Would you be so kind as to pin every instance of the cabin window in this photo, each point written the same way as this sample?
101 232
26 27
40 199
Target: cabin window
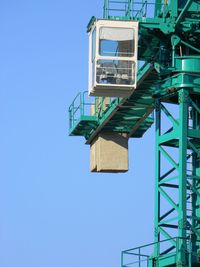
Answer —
115 72
116 42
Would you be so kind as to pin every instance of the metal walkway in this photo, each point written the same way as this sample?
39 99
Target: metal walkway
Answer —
131 115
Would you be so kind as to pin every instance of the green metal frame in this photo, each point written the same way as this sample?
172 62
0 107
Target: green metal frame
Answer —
182 178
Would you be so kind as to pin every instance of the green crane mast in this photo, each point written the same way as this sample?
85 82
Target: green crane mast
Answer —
168 82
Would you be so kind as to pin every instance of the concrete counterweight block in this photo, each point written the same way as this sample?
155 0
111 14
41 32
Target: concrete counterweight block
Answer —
109 153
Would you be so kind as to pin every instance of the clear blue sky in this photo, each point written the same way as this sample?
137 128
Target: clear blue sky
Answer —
53 211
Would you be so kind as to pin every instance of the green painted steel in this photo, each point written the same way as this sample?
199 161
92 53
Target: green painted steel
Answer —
178 187
169 83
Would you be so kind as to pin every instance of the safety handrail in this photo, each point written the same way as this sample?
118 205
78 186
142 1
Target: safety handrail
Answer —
78 108
131 9
140 255
82 107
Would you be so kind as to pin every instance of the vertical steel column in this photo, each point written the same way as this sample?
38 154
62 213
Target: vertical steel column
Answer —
106 9
158 5
195 234
182 206
157 179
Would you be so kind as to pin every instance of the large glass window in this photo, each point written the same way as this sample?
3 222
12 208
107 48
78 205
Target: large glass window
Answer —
115 72
117 42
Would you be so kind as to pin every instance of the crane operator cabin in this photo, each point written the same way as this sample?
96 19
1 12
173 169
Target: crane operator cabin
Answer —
112 58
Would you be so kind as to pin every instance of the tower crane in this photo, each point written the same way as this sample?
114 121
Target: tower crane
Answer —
144 58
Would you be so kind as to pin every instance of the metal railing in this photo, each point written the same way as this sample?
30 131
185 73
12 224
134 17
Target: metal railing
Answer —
131 9
80 106
144 256
83 105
